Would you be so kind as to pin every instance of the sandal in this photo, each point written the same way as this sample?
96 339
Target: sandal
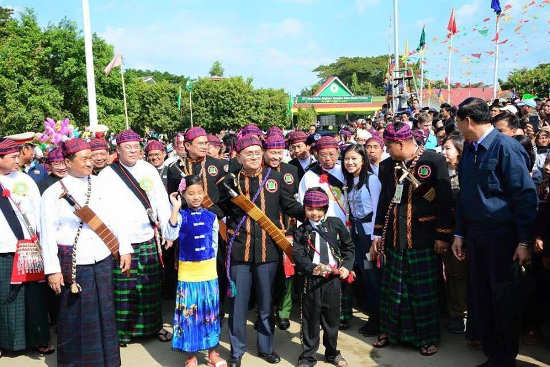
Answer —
338 361
428 350
191 362
164 335
382 341
44 350
214 360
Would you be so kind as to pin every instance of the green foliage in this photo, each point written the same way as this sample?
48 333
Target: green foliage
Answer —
369 71
306 117
534 81
43 74
216 69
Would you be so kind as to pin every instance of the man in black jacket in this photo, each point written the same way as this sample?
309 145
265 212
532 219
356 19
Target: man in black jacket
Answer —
413 225
300 150
253 257
323 249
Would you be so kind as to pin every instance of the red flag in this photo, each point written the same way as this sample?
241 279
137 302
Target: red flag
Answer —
451 27
496 38
486 19
476 55
503 42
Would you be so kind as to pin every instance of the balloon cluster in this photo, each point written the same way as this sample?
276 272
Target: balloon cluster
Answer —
58 132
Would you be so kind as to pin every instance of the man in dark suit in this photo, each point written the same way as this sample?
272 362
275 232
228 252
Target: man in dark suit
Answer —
495 217
298 147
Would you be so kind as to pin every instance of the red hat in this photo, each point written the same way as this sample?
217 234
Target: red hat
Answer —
194 133
73 146
154 145
8 146
214 140
274 130
98 144
247 141
55 155
326 142
127 136
375 138
297 137
274 142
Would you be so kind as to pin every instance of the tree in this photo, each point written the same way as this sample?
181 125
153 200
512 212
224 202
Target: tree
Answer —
355 88
305 117
370 72
216 69
534 81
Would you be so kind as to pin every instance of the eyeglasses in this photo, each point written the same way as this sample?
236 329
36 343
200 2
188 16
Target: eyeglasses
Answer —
252 155
131 148
58 164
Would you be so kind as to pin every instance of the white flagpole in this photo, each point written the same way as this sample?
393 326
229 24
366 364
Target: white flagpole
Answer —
90 77
124 93
449 71
495 77
396 51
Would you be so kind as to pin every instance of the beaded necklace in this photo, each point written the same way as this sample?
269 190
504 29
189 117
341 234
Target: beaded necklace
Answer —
381 259
75 287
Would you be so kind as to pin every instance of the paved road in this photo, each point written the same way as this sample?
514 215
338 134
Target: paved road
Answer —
355 348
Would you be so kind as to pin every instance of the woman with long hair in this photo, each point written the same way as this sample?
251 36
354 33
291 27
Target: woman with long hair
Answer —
363 189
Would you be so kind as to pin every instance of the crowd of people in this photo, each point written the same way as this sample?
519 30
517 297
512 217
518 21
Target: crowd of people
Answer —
408 217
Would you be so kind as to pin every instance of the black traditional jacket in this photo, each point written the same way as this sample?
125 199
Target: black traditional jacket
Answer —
428 208
340 244
252 244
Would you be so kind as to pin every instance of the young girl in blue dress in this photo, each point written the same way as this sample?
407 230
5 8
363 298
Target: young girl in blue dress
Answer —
196 317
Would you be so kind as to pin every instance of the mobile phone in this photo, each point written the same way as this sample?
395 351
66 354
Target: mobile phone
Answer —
534 121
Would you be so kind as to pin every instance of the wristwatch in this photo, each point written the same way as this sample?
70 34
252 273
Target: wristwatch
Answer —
524 244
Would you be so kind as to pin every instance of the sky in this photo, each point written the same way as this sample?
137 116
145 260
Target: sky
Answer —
279 42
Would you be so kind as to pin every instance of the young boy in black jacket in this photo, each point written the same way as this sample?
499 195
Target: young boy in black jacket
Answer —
323 253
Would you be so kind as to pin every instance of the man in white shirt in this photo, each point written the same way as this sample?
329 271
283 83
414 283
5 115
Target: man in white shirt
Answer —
139 198
374 147
327 174
78 264
23 322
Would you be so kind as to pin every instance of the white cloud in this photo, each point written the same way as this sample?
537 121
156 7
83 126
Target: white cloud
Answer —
362 5
467 11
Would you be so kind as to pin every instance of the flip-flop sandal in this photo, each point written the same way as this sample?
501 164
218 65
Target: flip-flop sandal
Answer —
381 342
425 350
191 362
164 335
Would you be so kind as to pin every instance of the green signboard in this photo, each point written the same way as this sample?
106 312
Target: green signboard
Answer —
335 99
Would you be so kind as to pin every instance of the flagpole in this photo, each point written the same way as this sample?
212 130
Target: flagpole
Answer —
495 77
422 79
396 51
449 71
191 106
90 76
124 93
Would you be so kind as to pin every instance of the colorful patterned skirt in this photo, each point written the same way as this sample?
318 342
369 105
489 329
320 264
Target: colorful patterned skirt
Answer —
138 296
409 304
196 317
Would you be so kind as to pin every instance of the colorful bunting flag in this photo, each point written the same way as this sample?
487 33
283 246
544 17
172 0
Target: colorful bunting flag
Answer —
451 27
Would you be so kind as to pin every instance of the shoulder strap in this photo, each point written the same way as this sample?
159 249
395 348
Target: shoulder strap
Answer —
10 216
132 184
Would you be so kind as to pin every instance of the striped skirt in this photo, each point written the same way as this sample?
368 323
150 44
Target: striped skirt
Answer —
196 318
138 296
86 323
12 315
409 304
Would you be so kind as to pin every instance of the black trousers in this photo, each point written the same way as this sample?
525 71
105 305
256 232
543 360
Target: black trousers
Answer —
495 292
320 307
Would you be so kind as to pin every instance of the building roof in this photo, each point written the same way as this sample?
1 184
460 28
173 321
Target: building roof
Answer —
330 81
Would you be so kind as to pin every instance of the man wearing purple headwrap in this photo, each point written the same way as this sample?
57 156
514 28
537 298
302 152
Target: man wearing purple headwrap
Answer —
253 257
374 147
274 147
413 225
58 169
